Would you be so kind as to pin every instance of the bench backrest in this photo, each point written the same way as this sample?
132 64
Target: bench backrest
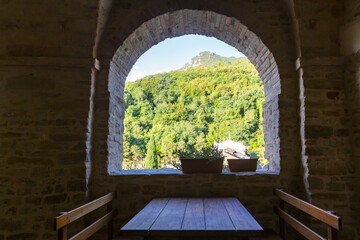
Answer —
65 218
327 217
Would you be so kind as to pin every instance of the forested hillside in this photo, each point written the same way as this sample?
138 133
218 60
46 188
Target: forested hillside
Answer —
209 59
190 109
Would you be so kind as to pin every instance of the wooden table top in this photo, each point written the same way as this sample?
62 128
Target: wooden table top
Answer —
192 217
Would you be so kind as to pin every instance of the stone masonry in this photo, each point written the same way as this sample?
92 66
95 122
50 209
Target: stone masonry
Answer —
276 69
45 67
180 23
307 54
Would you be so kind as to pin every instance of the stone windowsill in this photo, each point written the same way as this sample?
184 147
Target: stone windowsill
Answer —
168 171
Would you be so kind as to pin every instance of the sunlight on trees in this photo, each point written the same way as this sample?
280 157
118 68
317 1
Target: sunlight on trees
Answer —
189 110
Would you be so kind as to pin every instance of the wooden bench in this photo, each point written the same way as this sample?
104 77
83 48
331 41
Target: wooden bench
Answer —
329 218
61 222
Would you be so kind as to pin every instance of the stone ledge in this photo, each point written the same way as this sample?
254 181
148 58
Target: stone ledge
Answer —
319 62
45 62
168 171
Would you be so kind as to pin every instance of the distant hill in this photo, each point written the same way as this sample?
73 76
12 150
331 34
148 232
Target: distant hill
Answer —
208 59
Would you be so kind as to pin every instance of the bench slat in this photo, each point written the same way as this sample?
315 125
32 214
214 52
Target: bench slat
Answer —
301 228
322 215
77 213
90 230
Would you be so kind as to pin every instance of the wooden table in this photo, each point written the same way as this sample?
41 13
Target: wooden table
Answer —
202 217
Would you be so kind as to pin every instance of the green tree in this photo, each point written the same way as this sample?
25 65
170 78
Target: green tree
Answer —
151 161
190 109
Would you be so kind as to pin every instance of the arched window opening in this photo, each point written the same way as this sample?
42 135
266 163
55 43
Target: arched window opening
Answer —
175 24
208 100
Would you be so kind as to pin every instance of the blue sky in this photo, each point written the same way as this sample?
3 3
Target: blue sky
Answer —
173 53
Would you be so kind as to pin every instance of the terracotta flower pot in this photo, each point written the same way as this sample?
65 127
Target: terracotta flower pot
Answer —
201 165
242 165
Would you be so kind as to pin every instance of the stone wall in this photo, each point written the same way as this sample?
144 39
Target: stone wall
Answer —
325 132
350 47
43 126
349 32
352 77
134 36
352 73
45 67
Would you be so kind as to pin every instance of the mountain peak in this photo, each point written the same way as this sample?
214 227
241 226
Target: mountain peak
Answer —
208 59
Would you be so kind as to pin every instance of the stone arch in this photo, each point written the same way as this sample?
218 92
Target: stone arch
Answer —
179 23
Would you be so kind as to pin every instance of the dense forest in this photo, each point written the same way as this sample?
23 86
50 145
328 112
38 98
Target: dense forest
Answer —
190 109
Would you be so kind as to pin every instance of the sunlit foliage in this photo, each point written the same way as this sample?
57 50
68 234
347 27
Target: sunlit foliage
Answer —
190 109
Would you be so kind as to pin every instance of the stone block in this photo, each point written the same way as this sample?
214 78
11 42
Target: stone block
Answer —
333 95
153 189
33 200
316 183
59 188
72 158
78 172
36 227
48 144
23 236
76 186
314 151
338 168
11 225
335 186
357 142
258 190
317 131
55 199
29 160
62 137
22 191
10 135
12 211
29 82
47 190
326 196
20 50
40 172
78 198
128 188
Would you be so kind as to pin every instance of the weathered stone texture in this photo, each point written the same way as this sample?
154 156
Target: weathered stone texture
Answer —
43 115
44 100
327 145
45 90
67 32
352 78
319 27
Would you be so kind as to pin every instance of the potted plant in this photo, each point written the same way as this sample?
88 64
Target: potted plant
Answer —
208 160
247 164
